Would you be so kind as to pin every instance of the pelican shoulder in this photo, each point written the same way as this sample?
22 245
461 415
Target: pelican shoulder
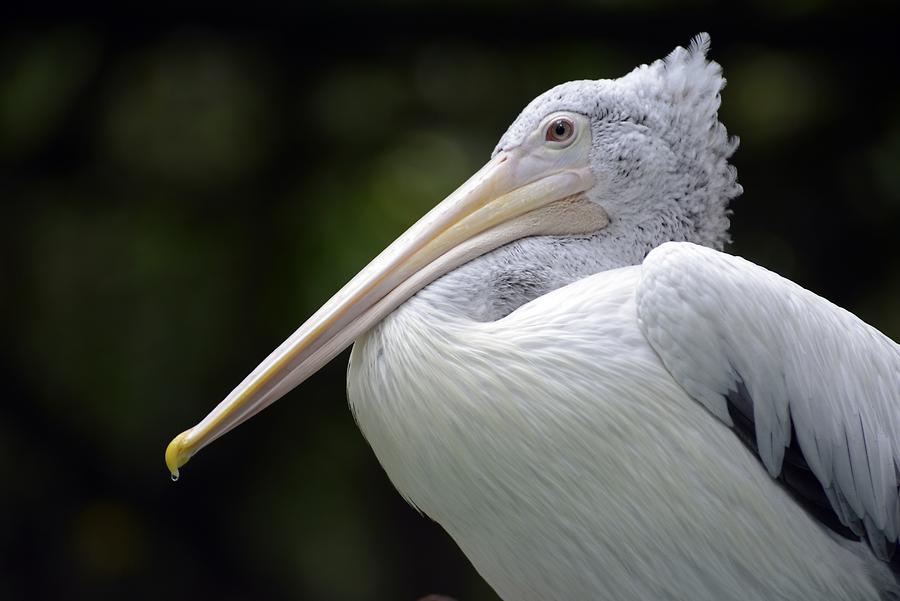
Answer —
553 446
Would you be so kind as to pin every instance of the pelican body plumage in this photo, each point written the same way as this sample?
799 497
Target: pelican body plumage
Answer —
560 366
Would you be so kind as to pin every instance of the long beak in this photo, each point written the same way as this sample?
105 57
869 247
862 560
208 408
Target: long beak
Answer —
509 198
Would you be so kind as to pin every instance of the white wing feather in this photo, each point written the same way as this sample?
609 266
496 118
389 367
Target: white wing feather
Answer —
718 321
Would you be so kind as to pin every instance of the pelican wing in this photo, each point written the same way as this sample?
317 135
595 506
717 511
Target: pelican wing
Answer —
814 390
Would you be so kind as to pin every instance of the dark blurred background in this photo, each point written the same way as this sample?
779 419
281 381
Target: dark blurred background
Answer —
181 189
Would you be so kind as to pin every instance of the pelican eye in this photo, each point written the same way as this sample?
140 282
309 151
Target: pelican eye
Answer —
560 130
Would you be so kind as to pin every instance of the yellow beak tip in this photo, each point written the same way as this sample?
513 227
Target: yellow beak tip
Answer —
177 454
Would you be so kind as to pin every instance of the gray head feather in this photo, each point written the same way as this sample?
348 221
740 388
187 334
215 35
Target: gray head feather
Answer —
660 153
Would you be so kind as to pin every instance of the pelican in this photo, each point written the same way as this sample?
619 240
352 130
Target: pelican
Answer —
561 367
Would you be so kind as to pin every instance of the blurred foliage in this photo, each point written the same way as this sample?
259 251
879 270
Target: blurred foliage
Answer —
180 192
43 77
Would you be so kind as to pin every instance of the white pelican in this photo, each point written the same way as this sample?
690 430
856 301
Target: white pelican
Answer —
559 366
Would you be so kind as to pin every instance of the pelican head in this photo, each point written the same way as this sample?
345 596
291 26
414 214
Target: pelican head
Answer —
592 175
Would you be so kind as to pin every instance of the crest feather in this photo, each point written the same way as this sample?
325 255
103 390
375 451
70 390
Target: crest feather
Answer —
681 94
689 77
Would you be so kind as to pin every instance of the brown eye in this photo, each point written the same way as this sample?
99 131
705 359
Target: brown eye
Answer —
560 130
